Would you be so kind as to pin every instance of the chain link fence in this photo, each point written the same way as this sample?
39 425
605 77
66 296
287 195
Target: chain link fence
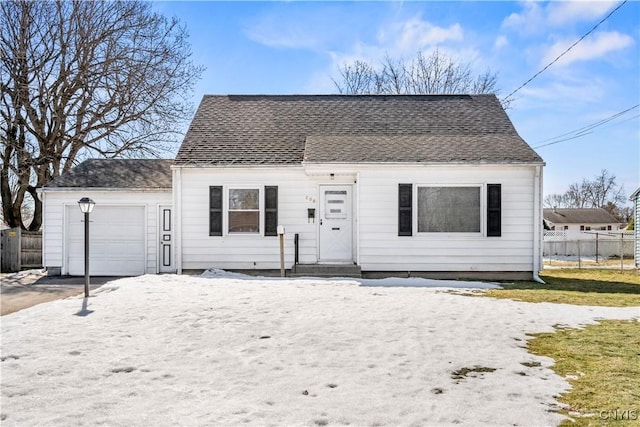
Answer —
606 249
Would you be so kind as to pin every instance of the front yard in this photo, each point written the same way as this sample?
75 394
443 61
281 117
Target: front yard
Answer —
602 361
179 350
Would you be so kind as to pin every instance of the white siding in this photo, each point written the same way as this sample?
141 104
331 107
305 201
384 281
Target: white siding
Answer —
296 193
376 207
381 249
53 246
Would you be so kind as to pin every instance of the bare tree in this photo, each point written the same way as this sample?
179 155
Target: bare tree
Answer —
436 73
81 79
555 201
601 192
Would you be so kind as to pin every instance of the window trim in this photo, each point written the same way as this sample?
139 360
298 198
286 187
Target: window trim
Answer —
225 207
482 207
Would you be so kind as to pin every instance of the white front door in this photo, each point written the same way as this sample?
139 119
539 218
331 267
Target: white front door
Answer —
165 232
336 224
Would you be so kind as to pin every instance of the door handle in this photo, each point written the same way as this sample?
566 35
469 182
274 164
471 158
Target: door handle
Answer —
320 221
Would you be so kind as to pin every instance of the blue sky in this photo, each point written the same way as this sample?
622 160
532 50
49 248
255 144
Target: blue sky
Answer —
295 48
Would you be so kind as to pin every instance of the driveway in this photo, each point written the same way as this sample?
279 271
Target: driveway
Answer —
28 288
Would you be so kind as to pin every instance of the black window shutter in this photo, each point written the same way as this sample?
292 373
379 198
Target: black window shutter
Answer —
271 210
405 205
494 210
215 210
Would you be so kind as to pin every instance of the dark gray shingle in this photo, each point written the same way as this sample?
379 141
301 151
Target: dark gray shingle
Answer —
274 129
579 216
117 173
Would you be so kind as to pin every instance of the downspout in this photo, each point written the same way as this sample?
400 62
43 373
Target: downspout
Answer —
357 217
537 221
177 217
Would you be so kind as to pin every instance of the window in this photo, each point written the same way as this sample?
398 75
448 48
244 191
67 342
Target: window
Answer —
582 228
449 209
609 227
244 210
566 227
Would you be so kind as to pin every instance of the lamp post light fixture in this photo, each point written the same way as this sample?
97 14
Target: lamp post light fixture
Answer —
86 206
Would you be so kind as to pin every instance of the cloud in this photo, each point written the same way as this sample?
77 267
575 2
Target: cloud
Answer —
415 34
501 41
591 48
529 21
538 18
293 34
563 12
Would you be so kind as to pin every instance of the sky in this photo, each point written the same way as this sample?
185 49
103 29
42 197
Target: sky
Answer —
581 114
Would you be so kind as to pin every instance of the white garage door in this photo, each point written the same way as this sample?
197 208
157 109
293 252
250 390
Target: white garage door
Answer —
116 241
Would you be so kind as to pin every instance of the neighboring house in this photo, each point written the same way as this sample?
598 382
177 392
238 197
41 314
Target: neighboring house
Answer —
133 204
635 198
411 184
576 219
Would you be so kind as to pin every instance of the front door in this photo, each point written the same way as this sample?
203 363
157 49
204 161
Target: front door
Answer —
165 250
336 224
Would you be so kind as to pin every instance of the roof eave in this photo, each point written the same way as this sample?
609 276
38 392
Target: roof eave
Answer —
135 189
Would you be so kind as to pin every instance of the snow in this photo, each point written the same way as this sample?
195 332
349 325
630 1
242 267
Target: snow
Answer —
225 349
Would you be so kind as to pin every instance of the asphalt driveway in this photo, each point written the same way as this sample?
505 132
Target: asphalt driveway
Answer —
28 288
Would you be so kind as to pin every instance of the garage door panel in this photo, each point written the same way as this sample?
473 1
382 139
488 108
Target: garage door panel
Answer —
116 241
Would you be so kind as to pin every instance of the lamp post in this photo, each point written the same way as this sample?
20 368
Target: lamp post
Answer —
86 206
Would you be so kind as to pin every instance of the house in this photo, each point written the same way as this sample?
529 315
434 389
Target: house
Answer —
635 198
576 219
438 185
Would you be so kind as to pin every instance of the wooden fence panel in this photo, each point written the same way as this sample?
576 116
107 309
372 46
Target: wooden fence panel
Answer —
31 249
10 250
20 250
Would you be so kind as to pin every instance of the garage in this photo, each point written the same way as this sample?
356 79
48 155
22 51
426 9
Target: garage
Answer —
116 240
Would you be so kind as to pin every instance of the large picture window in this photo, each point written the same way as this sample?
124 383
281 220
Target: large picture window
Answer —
449 209
244 210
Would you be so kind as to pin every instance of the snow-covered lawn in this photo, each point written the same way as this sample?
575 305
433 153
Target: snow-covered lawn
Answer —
227 350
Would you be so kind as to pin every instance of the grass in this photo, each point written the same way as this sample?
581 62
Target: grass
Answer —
611 288
602 363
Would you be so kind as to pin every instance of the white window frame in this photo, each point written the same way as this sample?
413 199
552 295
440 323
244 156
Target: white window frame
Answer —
483 213
225 204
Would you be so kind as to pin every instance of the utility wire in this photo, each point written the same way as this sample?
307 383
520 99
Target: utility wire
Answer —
586 130
565 52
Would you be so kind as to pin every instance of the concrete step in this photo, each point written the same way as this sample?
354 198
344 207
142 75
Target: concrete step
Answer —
326 270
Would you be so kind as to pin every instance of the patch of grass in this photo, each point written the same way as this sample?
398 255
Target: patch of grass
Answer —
462 373
611 288
602 364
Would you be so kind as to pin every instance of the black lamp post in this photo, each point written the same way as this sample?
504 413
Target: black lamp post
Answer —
86 206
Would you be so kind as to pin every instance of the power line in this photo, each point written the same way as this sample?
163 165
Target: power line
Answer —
565 52
586 130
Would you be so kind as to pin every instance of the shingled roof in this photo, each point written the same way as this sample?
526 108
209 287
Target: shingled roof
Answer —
290 129
579 216
117 173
